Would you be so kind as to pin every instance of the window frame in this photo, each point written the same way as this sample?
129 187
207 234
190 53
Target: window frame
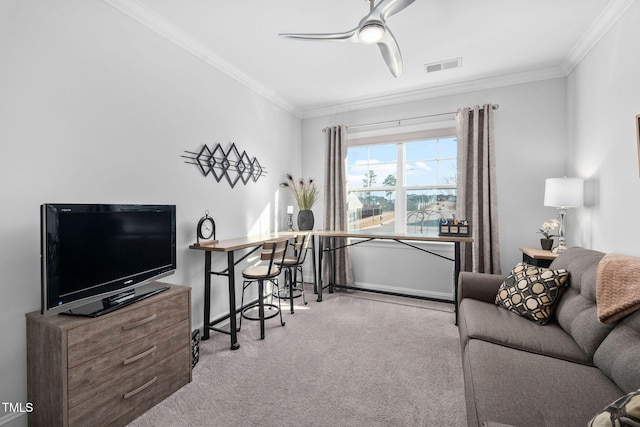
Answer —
400 190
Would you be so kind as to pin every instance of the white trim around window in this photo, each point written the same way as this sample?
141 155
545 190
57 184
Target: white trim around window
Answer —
384 136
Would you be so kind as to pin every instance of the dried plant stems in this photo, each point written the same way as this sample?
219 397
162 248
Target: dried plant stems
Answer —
305 193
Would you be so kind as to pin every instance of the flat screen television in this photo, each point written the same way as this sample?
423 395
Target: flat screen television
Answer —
97 258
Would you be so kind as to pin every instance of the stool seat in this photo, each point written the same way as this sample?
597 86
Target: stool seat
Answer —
289 261
260 272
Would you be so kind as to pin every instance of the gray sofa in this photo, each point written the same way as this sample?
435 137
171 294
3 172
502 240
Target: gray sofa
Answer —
519 373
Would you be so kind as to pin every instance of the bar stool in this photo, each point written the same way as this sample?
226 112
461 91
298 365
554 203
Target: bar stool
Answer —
292 265
271 257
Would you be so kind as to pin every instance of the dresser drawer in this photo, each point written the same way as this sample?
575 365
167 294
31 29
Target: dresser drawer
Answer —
132 396
93 377
123 327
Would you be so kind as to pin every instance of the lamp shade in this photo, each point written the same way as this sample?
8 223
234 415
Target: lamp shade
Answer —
564 192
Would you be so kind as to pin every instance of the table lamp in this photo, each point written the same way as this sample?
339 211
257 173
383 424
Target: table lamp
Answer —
563 193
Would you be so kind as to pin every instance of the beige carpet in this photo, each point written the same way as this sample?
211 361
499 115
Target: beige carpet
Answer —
356 359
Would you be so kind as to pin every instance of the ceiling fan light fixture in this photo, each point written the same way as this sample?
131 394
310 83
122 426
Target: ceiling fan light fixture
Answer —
371 33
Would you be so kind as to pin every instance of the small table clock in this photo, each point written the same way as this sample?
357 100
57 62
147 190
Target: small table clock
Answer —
206 229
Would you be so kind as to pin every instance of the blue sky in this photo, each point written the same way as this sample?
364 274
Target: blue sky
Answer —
422 166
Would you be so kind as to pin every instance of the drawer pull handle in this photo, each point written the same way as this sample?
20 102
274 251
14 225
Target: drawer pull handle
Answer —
139 322
139 356
141 388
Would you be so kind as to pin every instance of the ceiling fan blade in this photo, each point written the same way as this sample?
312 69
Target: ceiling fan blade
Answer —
375 21
391 53
387 8
341 37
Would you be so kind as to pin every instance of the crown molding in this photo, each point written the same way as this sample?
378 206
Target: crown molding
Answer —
601 26
437 91
170 31
609 16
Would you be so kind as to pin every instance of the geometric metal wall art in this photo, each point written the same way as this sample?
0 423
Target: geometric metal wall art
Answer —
228 164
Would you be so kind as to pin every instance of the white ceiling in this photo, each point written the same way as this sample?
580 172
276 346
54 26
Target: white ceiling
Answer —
500 42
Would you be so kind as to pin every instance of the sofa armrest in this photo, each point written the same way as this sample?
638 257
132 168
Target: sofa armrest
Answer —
480 286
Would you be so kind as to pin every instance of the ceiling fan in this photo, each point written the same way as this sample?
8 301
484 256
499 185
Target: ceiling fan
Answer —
372 29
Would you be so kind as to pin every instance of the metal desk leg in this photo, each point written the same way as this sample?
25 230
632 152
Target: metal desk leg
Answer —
261 307
313 264
456 273
332 264
320 255
207 295
232 301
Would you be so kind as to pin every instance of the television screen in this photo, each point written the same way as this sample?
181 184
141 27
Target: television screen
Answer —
90 252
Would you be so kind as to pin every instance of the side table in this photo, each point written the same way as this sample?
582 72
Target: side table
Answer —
538 257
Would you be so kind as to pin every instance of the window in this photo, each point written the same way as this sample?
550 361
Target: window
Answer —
403 186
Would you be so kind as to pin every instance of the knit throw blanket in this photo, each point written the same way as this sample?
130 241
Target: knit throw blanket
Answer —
617 287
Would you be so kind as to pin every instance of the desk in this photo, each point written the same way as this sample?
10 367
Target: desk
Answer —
327 244
230 246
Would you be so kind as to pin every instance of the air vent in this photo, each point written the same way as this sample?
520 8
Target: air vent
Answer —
443 65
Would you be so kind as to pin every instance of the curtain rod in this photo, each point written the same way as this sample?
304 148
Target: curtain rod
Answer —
493 107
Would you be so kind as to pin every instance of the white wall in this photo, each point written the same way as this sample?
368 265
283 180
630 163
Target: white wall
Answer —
530 130
96 108
603 101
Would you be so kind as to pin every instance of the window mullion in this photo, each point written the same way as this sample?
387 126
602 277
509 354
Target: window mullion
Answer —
401 203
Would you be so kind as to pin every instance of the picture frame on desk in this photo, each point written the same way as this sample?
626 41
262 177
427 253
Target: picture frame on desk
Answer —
457 228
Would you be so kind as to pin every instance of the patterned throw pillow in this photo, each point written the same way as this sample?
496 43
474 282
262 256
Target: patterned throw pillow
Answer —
623 412
532 292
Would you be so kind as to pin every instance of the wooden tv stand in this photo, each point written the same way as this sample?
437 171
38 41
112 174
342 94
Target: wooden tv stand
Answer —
110 369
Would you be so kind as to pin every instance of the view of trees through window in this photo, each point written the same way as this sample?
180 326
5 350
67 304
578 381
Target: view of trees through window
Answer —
402 187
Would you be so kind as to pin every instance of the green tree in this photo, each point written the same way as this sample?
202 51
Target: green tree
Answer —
369 179
390 181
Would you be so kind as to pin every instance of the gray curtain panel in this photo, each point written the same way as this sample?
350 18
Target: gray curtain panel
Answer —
477 199
335 199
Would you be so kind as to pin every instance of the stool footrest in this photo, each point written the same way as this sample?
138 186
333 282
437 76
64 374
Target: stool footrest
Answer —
257 317
285 293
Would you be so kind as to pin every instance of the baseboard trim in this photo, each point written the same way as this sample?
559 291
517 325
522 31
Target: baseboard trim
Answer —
398 291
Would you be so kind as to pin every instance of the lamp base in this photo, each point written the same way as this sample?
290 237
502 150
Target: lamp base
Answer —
562 247
561 241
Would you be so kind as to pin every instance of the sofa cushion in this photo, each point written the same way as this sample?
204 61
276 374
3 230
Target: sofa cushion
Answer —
488 322
576 311
532 292
618 355
622 412
515 387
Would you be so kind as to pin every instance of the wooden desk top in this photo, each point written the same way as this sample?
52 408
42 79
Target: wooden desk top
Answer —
228 245
539 253
392 236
